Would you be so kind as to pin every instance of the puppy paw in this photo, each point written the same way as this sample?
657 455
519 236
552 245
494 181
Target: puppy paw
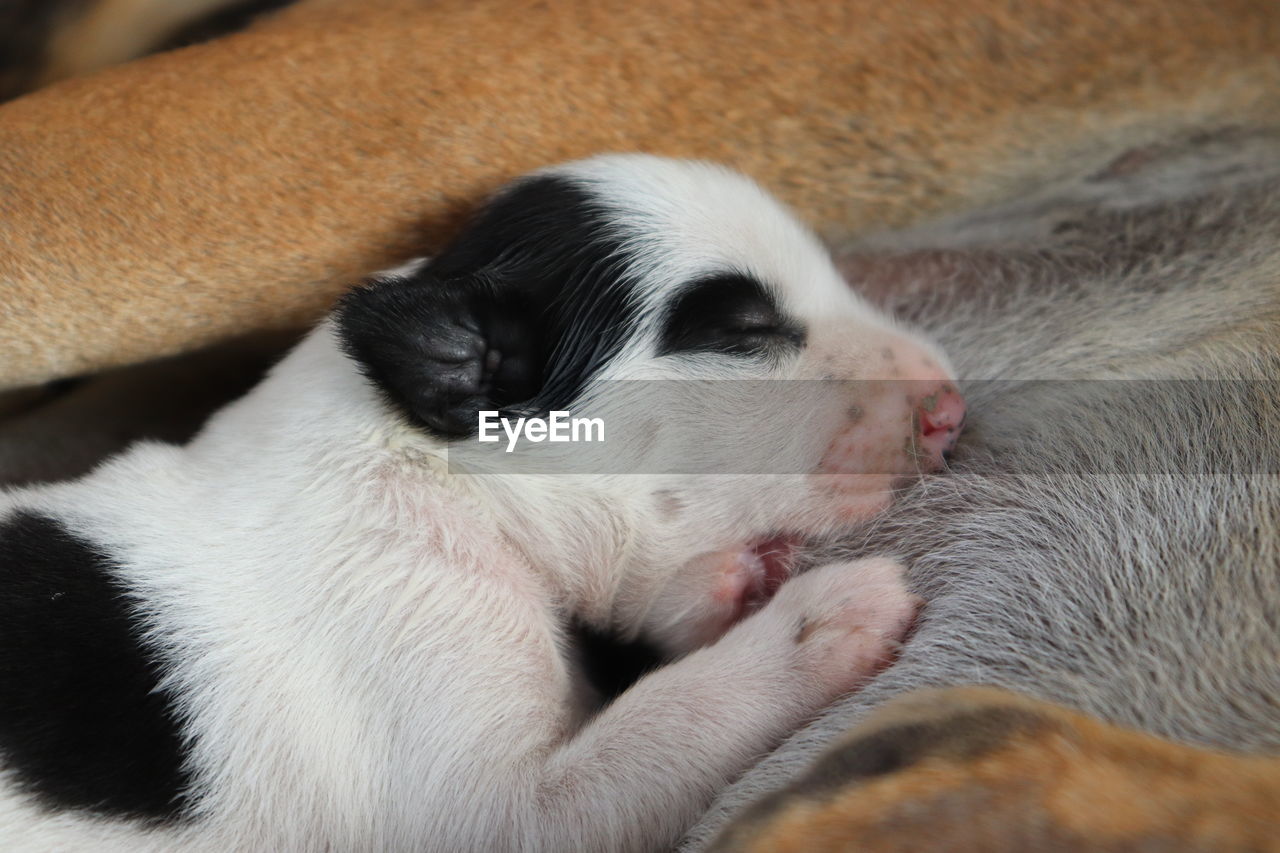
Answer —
846 621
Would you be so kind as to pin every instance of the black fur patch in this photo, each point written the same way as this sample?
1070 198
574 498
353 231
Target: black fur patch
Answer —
611 665
732 314
26 27
231 18
517 315
82 725
957 737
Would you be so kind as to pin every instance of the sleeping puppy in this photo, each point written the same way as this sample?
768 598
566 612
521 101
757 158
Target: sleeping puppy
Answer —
336 619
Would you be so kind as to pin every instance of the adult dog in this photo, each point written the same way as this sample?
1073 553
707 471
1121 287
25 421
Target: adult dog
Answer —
1108 536
242 184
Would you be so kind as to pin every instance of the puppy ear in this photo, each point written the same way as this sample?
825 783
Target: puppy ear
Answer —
515 316
442 350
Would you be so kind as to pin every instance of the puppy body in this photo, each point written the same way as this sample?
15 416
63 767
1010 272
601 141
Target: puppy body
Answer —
312 632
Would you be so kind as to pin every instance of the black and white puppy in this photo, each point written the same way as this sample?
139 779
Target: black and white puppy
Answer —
324 624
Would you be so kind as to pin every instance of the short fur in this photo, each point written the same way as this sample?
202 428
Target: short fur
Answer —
243 184
355 624
1110 538
277 165
986 771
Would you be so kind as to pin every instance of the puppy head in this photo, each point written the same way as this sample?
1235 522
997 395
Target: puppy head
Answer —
575 282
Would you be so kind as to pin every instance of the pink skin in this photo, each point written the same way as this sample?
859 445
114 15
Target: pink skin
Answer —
900 428
890 413
750 577
910 428
941 419
901 423
866 613
717 589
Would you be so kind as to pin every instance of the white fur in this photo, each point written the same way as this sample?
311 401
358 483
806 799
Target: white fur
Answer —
369 647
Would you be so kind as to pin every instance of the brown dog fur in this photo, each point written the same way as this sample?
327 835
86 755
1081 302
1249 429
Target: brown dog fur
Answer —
973 770
238 185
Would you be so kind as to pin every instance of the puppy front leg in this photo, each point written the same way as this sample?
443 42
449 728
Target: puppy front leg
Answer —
638 775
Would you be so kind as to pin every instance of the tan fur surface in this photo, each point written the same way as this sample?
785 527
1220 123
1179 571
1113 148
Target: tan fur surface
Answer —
239 185
989 771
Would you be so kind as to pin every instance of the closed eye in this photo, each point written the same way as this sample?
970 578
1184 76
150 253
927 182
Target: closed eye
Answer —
729 313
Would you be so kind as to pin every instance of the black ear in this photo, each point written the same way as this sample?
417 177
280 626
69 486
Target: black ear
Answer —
442 350
516 315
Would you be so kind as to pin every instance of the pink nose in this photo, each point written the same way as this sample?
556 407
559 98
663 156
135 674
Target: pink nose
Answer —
940 415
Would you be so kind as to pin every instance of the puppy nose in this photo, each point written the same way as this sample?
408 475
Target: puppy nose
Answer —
940 415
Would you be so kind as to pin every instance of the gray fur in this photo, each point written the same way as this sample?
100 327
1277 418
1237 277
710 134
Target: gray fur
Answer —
1114 547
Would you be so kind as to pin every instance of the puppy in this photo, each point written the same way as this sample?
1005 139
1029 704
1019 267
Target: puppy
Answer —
337 620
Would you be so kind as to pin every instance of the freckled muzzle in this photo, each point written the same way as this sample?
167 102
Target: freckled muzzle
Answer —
893 430
900 427
902 420
891 418
939 419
